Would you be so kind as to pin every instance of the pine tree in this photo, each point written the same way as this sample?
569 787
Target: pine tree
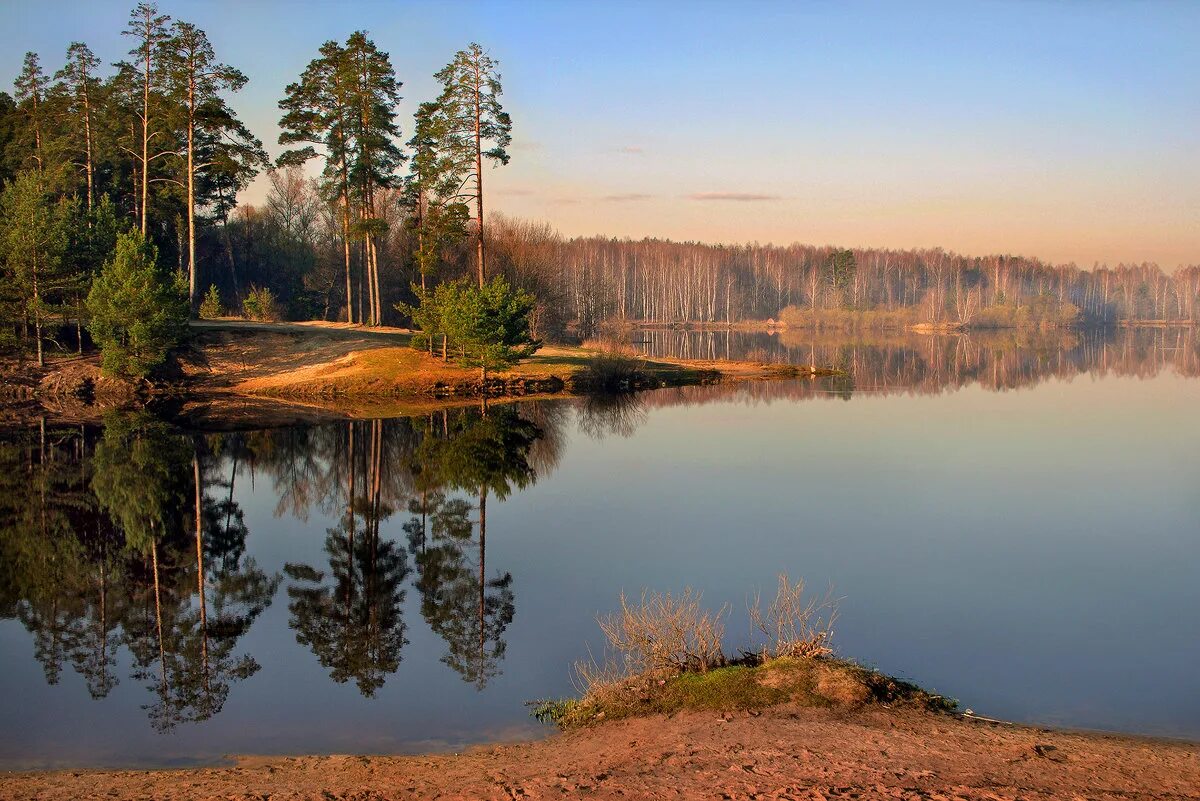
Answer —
376 155
490 324
79 86
31 86
473 119
138 314
197 80
842 267
92 239
438 215
33 241
145 77
319 112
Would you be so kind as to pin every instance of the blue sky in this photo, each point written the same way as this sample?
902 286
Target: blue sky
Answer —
1066 130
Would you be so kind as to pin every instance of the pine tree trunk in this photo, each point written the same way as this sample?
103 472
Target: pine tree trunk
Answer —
346 251
37 132
237 293
375 273
37 315
145 137
479 175
191 192
87 140
364 259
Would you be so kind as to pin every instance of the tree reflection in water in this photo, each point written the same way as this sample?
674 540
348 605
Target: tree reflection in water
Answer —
349 612
113 549
129 539
354 623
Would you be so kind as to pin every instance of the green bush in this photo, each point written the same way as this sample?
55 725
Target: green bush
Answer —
210 307
259 304
138 313
488 326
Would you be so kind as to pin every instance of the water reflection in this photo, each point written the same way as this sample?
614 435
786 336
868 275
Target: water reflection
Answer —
124 546
130 536
111 539
618 415
935 363
483 454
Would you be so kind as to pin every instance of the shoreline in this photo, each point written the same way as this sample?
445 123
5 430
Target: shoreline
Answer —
306 369
785 751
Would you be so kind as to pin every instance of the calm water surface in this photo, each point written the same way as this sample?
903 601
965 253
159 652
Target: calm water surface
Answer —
1010 520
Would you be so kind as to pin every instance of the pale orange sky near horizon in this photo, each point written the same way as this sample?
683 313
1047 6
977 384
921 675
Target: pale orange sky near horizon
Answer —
1020 215
1104 217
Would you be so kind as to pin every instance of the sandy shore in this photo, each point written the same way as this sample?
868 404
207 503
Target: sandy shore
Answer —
782 753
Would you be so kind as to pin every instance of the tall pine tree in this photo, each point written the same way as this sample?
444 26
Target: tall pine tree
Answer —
197 80
78 85
31 87
376 155
438 215
145 79
318 111
476 127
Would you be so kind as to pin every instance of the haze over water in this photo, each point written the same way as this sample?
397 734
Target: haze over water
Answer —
1010 520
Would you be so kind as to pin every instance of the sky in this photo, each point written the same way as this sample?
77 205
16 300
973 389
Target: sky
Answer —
1068 131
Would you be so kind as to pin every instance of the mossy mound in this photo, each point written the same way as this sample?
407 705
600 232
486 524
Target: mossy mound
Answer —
811 682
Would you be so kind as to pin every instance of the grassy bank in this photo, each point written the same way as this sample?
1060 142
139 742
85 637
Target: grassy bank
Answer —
664 655
818 682
309 362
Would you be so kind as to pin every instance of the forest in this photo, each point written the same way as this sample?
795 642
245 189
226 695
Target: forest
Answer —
366 212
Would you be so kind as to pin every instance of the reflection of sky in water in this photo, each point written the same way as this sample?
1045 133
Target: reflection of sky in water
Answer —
1032 553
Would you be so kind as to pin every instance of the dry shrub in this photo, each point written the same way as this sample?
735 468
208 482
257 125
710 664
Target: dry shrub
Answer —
610 371
663 632
614 366
601 683
792 624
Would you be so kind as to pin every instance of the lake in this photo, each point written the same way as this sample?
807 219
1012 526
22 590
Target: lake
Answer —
1010 519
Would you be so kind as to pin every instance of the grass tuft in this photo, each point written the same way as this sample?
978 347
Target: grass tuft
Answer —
664 656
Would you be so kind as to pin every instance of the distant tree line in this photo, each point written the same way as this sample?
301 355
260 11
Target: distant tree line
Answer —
582 282
596 279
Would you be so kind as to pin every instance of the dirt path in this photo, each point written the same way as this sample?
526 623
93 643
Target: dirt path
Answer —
784 753
234 352
385 333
